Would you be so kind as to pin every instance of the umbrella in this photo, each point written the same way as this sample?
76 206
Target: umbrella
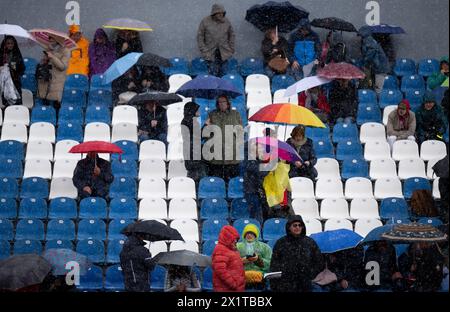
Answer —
152 230
150 59
445 83
386 29
441 167
284 150
22 271
59 258
287 114
375 234
120 67
415 232
182 258
162 98
97 147
340 71
42 36
208 87
333 23
128 24
272 14
305 84
337 240
16 31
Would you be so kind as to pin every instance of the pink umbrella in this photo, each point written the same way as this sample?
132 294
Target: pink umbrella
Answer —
341 71
43 36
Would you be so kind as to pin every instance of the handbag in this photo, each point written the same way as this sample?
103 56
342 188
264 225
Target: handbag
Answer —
279 64
325 277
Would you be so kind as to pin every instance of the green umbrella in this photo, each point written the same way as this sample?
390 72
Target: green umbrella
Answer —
445 83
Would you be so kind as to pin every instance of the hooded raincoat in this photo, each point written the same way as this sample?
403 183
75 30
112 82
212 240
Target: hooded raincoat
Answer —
101 56
79 59
257 247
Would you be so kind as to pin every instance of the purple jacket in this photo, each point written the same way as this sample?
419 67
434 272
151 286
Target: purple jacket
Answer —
101 56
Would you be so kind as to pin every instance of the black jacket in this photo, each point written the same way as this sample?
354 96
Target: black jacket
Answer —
15 61
267 48
120 85
387 260
134 45
145 118
343 101
83 175
347 265
298 258
307 153
136 264
157 77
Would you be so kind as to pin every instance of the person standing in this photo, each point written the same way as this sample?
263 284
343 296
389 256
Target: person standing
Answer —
216 40
79 60
401 123
11 55
273 46
101 53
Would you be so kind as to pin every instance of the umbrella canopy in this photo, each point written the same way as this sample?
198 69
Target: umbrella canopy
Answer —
16 31
208 87
337 240
287 114
58 258
150 59
441 167
445 83
305 84
42 36
162 98
340 71
284 15
375 234
152 230
386 29
333 23
22 271
127 24
415 232
120 67
284 150
97 147
182 258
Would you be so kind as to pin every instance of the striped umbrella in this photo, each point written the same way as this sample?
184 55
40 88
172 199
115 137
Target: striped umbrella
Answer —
42 36
127 24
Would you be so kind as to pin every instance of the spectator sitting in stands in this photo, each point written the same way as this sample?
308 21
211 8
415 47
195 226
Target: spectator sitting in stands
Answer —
128 82
153 78
181 279
152 122
430 119
343 101
304 147
127 41
438 78
401 123
315 100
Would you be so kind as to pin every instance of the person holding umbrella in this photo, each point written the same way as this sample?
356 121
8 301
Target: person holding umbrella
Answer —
10 54
343 101
79 60
181 279
153 123
126 84
152 78
304 147
101 53
315 99
127 41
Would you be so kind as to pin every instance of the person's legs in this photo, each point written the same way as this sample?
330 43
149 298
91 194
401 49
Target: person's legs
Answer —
222 68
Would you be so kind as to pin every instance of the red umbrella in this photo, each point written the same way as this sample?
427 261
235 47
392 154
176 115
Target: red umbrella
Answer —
341 71
97 147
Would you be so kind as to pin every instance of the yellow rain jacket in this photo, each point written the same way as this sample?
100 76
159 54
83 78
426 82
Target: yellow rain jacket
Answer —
276 182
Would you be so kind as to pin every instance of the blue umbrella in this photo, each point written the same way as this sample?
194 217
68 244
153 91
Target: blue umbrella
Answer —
337 240
375 234
120 67
208 87
59 258
387 29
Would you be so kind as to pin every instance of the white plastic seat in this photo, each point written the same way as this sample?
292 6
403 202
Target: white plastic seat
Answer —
257 82
386 111
27 98
337 224
183 208
124 132
157 247
334 208
174 133
278 97
12 131
152 208
433 149
302 188
259 98
436 192
181 187
64 168
430 172
1 113
364 208
188 229
411 168
364 226
152 168
405 149
62 187
175 151
372 131
152 149
391 187
17 114
125 114
62 150
152 188
42 131
176 81
312 226
256 129
40 168
383 168
329 188
176 169
175 113
377 150
358 188
308 208
327 168
97 131
39 150
187 245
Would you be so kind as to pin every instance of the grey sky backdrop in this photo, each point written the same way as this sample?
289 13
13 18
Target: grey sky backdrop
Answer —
175 22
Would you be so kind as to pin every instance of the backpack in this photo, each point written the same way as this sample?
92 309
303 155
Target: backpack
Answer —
304 52
422 204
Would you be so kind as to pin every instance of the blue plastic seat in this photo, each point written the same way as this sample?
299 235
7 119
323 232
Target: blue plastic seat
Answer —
397 221
100 97
74 97
11 168
97 83
30 229
236 187
349 150
390 97
415 98
12 149
70 114
92 280
34 188
122 187
207 282
33 208
412 184
27 246
123 208
77 81
211 187
317 133
29 82
93 208
63 229
394 208
271 243
6 229
69 131
282 82
97 113
30 65
236 80
179 66
212 227
199 67
63 208
352 168
209 246
404 67
5 249
431 221
251 66
124 168
367 96
91 229
157 278
239 209
130 151
231 66
93 249
8 208
240 224
345 132
114 278
428 67
214 208
274 228
412 82
324 149
369 113
59 244
43 114
117 225
390 83
113 252
9 188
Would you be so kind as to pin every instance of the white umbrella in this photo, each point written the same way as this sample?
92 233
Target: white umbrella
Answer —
305 84
15 30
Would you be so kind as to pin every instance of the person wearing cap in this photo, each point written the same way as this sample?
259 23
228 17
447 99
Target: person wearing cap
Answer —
79 60
216 40
438 78
297 257
430 119
255 255
401 123
305 148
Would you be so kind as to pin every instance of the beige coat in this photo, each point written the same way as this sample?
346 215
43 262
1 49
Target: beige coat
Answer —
393 126
53 90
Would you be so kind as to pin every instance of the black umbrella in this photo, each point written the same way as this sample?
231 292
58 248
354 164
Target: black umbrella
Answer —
333 23
152 230
182 258
22 271
441 168
150 59
284 15
161 97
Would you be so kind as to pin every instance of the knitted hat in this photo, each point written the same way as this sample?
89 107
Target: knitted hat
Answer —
429 97
252 229
404 104
74 29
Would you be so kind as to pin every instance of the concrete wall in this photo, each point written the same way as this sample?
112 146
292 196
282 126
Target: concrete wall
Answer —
175 22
